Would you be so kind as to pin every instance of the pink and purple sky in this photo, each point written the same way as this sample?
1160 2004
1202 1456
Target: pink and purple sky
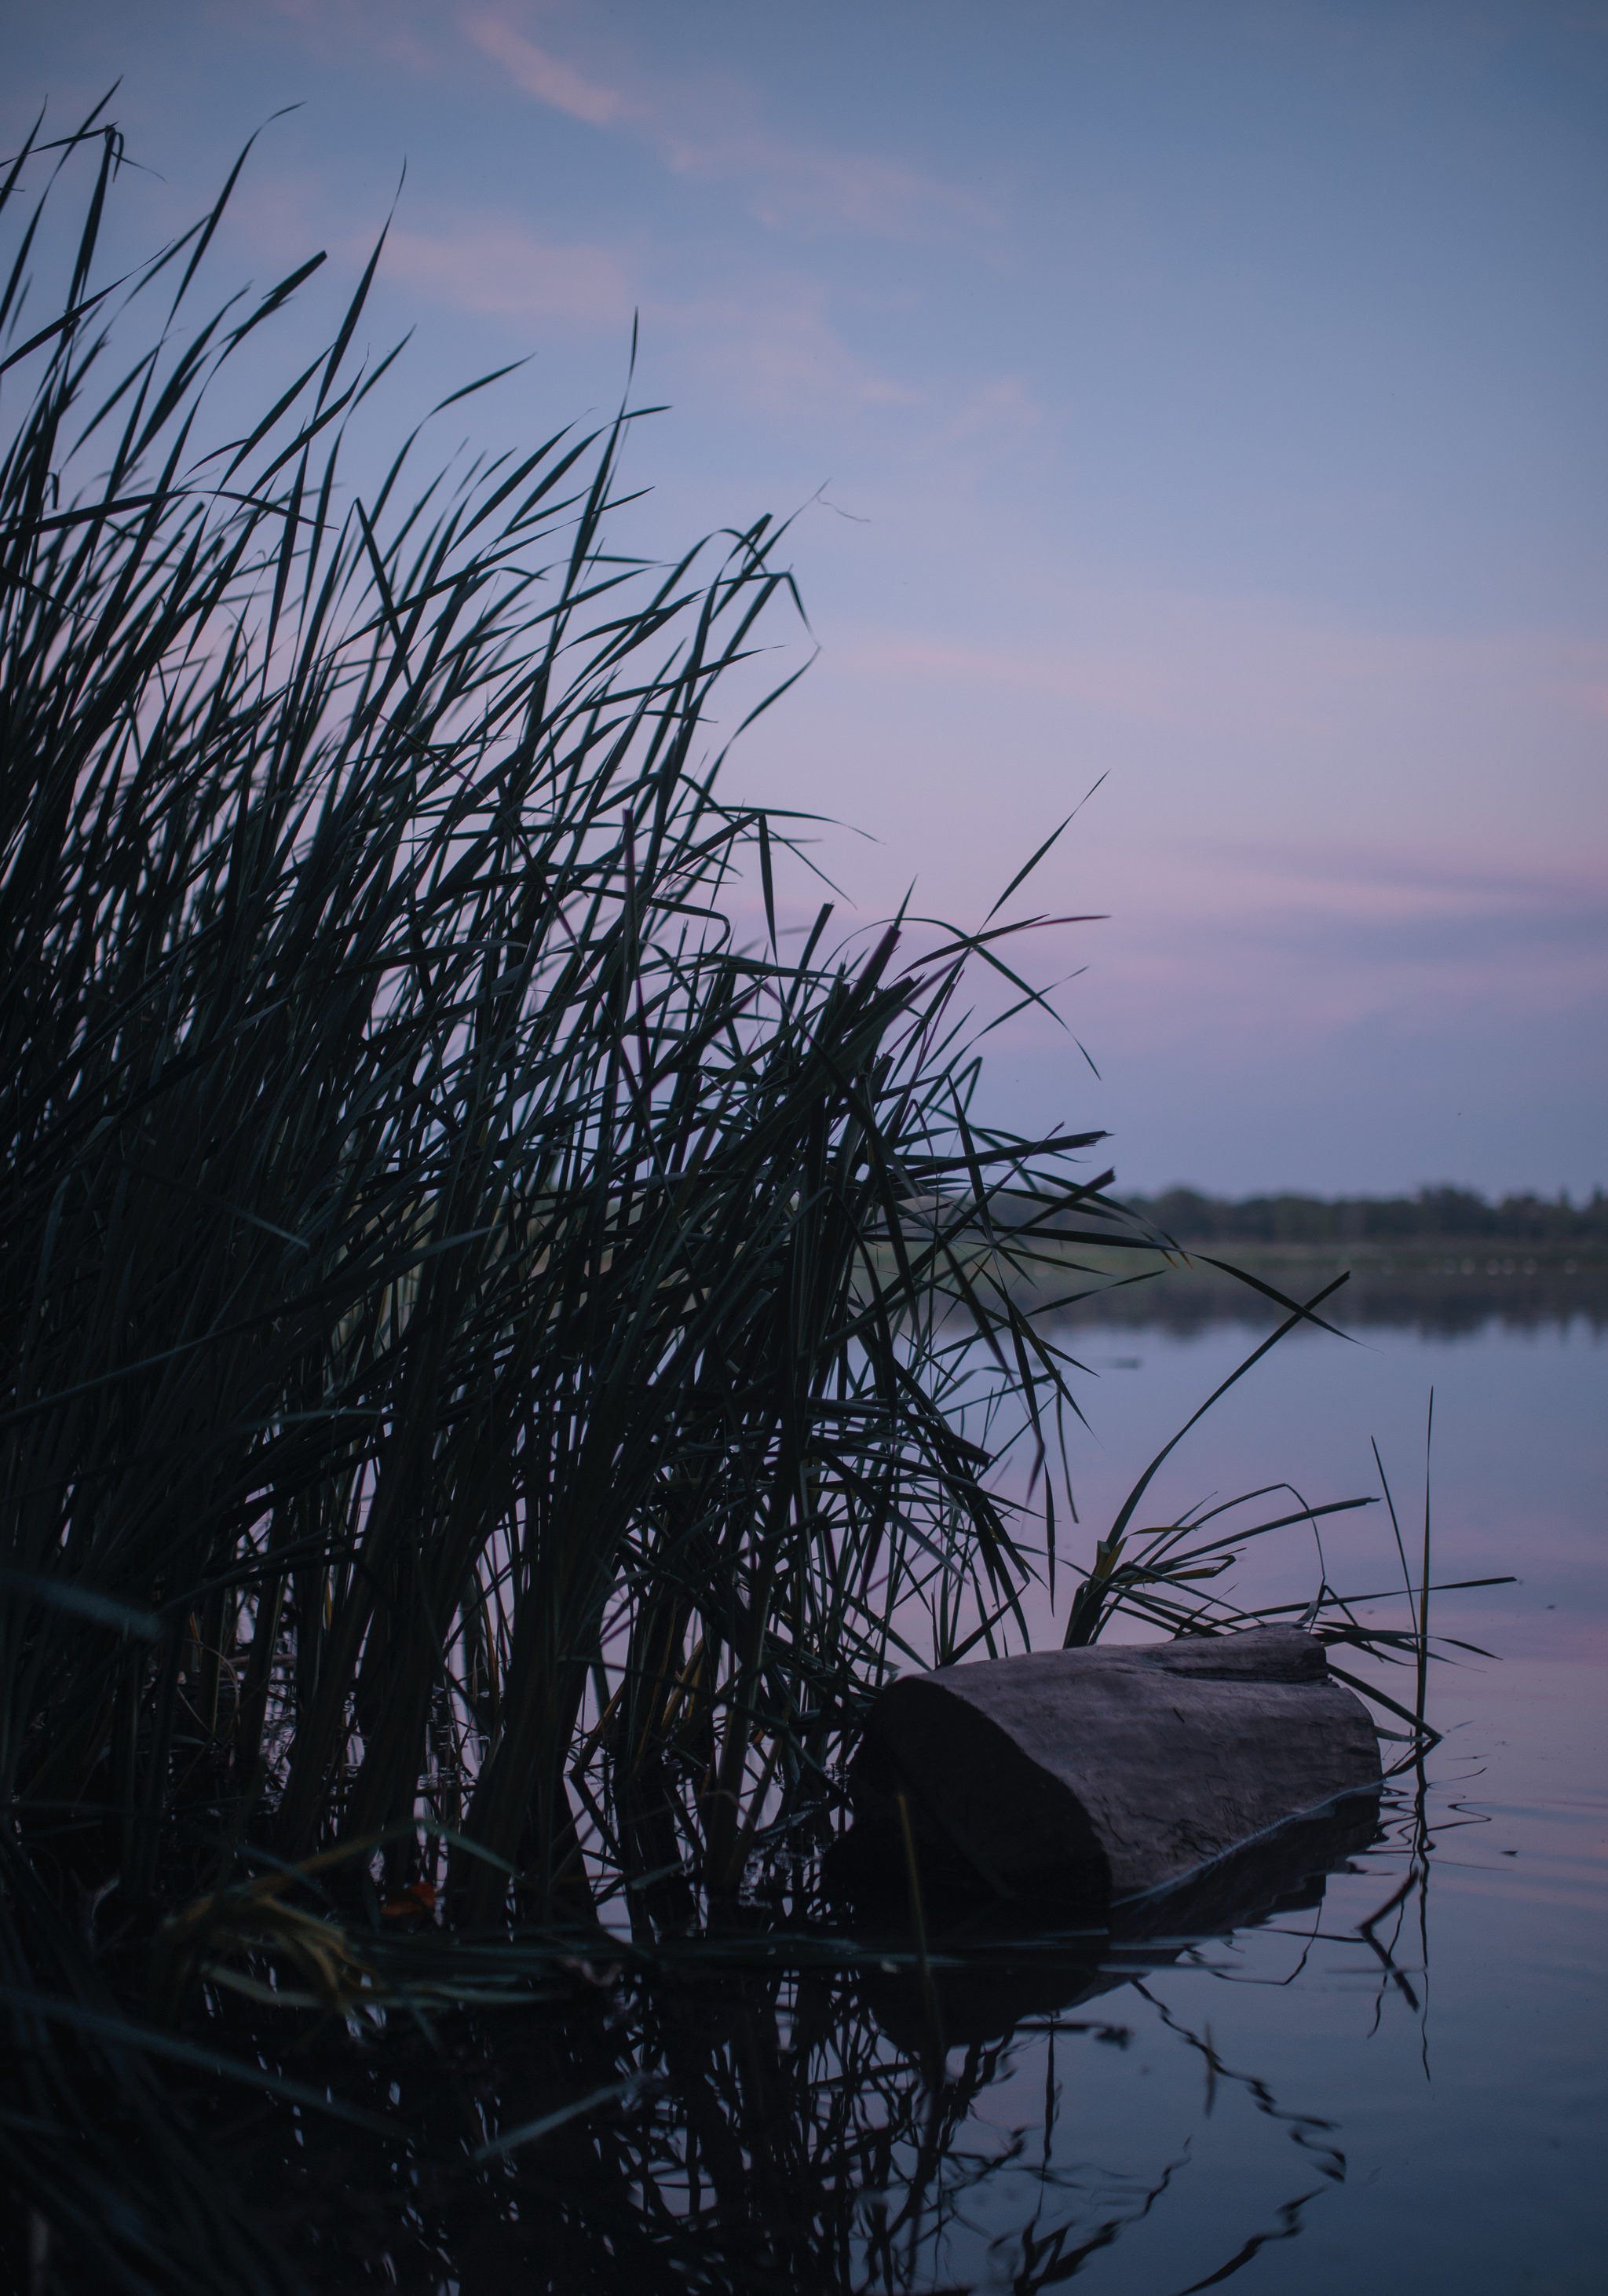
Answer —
1202 395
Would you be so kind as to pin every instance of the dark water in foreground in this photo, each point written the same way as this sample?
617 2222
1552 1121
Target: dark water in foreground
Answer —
1404 2086
1393 2078
1400 2085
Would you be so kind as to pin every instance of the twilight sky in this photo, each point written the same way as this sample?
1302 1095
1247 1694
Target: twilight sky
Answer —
1193 392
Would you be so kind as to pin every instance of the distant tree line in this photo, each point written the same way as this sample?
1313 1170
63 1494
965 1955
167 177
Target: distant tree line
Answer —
1459 1212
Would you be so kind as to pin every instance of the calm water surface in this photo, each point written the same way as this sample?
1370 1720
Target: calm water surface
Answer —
1403 2085
1389 2078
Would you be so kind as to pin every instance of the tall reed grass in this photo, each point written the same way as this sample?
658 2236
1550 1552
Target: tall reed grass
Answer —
491 1359
485 1348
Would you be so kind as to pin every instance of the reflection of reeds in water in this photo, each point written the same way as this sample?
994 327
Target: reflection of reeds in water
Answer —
761 2110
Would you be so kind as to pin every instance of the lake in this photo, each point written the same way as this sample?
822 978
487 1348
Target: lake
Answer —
1404 2082
1400 2082
1391 2075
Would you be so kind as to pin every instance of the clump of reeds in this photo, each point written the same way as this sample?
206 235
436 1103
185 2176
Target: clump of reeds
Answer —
482 1375
492 1362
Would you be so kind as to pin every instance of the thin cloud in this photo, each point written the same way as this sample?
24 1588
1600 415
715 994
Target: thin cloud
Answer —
773 348
1424 879
546 77
790 185
1241 668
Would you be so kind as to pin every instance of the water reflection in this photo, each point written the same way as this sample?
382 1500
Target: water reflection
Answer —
823 2099
768 2111
990 1964
1444 1301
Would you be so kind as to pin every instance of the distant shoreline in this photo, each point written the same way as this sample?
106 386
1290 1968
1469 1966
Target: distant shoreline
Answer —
1439 1224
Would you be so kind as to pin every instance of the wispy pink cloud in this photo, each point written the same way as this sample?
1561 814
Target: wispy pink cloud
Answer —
1340 822
544 77
717 135
774 349
1362 878
1250 665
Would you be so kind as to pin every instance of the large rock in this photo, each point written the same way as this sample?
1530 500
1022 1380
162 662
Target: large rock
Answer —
1119 1771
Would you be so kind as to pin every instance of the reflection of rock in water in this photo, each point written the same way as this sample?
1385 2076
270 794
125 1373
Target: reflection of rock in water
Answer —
992 1964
